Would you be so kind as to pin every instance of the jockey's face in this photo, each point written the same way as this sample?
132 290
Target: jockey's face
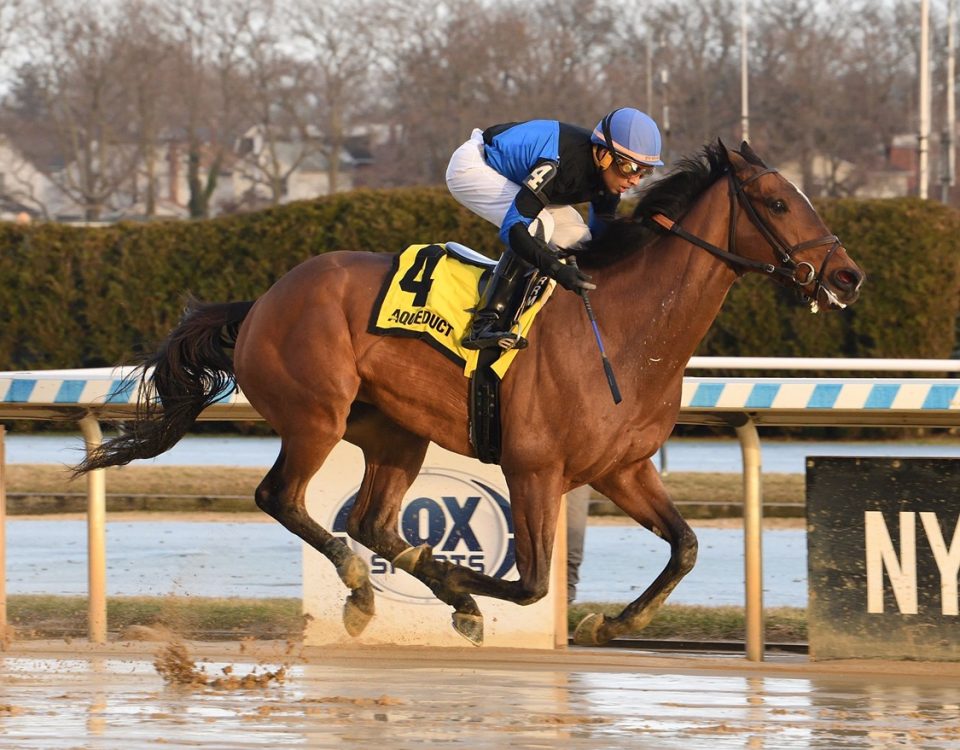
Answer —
617 182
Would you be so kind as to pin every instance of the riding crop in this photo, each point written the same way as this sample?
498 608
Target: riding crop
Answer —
607 367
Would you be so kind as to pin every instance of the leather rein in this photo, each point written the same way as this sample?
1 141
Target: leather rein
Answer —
788 268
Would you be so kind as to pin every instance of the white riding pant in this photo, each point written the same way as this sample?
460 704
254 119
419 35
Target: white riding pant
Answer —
489 194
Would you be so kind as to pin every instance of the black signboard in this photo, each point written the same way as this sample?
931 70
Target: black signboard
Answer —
883 554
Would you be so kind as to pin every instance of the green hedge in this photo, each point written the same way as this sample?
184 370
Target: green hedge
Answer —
91 297
83 297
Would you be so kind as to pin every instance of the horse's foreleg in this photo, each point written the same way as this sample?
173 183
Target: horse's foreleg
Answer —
281 494
639 491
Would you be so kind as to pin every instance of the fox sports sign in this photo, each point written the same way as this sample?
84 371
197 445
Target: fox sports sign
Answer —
464 519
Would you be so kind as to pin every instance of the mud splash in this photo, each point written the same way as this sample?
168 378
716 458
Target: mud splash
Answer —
175 665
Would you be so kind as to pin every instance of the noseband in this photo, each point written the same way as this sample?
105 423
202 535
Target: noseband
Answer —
802 274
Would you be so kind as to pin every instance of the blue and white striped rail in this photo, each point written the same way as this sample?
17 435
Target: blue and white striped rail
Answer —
825 401
108 394
105 393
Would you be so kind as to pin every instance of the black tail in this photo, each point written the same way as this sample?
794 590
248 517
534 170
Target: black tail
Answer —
189 372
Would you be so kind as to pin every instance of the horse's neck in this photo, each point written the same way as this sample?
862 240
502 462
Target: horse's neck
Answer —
679 288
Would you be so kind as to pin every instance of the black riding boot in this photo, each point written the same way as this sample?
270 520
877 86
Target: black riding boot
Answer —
495 312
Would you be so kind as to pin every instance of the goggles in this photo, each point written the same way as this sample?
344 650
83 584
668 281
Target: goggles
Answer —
629 168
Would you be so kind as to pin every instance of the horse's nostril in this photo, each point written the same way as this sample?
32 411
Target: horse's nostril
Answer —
847 278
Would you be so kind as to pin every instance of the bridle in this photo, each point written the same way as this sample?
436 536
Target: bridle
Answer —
787 268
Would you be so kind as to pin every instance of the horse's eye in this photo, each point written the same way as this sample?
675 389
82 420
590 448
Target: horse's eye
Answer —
778 206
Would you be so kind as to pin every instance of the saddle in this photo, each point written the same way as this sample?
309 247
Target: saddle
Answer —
431 294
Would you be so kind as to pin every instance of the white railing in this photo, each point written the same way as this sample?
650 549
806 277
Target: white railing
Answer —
835 364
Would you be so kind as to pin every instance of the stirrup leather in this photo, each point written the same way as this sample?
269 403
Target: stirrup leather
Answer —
483 335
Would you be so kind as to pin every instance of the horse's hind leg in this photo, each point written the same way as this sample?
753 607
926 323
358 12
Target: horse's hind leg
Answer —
393 459
281 494
639 491
535 500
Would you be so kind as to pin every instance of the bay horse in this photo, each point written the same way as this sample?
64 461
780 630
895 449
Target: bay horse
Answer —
303 357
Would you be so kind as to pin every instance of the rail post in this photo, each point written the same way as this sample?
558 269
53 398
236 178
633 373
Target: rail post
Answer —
752 536
96 536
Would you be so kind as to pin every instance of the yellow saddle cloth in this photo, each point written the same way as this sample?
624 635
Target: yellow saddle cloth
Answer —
431 293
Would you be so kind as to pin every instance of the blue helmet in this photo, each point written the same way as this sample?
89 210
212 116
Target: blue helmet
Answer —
630 133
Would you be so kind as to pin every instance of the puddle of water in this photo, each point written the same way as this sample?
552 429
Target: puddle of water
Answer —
123 703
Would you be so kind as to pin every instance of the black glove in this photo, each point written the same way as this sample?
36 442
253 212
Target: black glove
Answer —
569 277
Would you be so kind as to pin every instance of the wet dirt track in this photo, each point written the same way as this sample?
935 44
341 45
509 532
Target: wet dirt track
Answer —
58 695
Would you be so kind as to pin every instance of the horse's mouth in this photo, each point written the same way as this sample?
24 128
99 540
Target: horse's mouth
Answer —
842 287
833 302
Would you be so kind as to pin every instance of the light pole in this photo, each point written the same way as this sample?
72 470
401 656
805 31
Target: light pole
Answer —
923 139
665 83
948 157
649 60
664 90
744 80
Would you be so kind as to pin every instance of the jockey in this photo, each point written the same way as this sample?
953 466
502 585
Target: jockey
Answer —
525 177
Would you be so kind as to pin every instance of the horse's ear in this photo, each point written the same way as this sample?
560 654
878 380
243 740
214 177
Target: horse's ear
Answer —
742 159
750 155
734 159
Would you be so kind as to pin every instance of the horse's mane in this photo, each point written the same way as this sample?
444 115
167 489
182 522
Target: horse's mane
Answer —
673 195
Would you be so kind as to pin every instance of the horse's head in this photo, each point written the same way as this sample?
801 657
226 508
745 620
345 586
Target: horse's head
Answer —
773 223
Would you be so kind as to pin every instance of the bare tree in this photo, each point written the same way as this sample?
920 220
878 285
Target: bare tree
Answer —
826 88
564 71
694 67
100 91
208 40
460 65
79 57
13 14
149 77
281 138
20 183
422 87
339 45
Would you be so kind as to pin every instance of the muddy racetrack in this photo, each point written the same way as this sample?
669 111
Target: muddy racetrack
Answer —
274 695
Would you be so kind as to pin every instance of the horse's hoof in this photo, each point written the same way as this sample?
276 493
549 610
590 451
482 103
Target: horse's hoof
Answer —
588 631
355 620
353 572
408 559
358 610
469 626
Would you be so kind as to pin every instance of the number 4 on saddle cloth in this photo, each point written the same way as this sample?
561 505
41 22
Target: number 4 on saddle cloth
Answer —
431 294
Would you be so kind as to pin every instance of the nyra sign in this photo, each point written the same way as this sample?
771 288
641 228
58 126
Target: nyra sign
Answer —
898 567
458 506
883 542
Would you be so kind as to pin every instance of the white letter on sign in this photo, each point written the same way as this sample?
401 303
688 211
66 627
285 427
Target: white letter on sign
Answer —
880 554
948 560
